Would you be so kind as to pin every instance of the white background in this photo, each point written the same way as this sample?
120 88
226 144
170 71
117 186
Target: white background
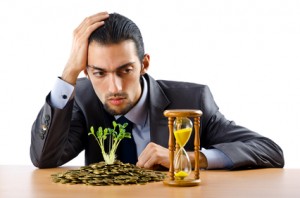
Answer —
246 51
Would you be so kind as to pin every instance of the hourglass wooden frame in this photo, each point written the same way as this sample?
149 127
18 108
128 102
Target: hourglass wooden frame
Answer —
189 113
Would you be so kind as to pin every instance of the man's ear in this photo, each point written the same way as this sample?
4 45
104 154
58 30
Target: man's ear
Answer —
145 64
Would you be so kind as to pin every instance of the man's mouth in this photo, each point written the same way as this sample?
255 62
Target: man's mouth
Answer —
116 101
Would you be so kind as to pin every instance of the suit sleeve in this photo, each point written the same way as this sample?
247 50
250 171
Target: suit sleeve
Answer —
246 148
52 142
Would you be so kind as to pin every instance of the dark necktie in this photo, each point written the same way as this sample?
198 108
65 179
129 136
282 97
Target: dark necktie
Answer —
127 149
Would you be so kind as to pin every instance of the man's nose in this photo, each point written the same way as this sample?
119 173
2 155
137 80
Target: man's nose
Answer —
115 83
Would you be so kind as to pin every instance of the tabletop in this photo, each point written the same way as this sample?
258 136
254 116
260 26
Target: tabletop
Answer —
28 181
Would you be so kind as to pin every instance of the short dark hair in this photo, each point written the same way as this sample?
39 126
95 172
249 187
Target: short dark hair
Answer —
118 28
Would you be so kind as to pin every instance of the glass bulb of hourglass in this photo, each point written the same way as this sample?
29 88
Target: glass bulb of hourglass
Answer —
182 131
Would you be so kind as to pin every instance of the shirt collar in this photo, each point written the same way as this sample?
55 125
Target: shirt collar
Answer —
138 114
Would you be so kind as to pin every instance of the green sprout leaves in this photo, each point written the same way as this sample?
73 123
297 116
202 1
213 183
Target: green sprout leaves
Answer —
115 134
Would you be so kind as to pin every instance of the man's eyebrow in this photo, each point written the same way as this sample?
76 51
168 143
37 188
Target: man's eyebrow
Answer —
125 65
119 67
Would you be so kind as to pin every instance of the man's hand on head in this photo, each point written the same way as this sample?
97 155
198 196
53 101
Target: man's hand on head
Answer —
78 58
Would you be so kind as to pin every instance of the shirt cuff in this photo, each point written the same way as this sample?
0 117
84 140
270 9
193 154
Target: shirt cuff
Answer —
61 93
216 159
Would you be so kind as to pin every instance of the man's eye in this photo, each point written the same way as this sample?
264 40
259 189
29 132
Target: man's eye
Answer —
98 73
126 70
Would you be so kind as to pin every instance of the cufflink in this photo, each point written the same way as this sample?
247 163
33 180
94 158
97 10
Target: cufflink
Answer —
44 126
43 131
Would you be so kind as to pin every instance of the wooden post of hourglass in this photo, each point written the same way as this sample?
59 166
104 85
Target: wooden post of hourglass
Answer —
172 114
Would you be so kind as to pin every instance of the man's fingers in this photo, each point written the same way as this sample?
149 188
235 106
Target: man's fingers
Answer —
145 160
91 23
149 163
146 153
152 155
92 19
93 27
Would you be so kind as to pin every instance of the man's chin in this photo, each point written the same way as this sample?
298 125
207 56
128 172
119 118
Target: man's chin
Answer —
112 111
116 111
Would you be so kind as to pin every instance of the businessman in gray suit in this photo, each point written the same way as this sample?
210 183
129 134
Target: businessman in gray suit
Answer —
109 49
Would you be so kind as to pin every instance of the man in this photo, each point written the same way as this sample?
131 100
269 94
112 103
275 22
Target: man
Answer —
109 49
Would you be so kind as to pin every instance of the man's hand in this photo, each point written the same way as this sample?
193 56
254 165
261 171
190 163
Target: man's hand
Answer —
153 155
78 58
202 160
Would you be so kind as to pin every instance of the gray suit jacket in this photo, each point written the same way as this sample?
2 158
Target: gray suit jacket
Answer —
58 136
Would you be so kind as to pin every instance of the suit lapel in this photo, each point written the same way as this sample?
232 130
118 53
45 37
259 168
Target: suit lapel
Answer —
158 102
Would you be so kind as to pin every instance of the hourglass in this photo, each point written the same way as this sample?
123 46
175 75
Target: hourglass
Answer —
180 129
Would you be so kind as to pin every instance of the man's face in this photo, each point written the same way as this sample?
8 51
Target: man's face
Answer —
114 71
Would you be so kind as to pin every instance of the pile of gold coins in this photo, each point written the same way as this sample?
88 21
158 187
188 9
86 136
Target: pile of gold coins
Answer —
101 174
